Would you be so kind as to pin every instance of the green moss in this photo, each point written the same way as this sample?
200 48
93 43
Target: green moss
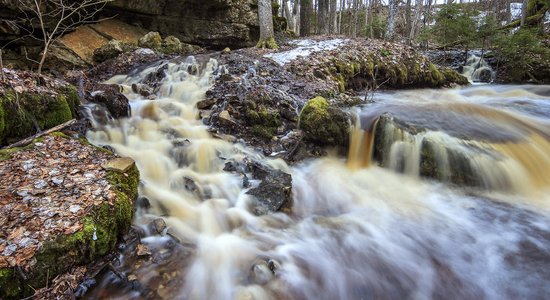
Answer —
264 121
171 45
268 43
263 131
10 285
323 124
30 112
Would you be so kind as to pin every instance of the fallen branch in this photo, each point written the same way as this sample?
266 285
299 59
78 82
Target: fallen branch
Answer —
29 140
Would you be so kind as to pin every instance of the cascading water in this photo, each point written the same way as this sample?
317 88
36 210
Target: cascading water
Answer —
477 69
353 233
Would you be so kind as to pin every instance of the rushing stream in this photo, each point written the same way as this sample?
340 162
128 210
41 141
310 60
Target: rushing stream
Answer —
355 232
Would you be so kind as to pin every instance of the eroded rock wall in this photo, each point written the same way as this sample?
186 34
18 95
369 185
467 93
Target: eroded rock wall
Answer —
212 23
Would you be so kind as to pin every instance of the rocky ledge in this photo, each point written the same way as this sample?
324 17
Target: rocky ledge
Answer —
291 103
63 204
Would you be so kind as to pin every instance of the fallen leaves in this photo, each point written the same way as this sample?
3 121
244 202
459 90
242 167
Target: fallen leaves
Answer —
45 192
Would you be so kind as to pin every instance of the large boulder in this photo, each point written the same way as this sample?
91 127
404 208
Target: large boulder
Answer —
323 124
214 23
27 108
63 203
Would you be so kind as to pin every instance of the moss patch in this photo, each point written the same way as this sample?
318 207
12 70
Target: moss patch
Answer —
323 124
30 112
268 43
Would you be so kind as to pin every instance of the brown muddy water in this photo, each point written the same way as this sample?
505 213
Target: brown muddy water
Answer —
357 230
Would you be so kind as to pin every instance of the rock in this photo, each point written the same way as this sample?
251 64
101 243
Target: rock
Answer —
119 164
142 89
323 124
151 40
112 98
206 103
28 111
225 119
212 23
70 229
274 192
108 51
157 226
172 45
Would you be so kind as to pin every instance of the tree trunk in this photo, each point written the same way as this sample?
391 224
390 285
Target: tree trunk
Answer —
390 31
408 24
265 18
323 17
333 24
342 7
305 17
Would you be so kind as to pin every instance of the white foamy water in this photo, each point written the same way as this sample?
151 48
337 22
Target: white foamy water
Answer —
353 234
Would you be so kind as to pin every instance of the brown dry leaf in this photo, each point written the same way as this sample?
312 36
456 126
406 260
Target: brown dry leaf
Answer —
16 234
73 229
24 255
142 250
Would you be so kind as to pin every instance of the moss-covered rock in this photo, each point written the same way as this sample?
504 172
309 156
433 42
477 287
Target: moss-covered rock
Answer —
30 112
373 64
101 225
151 40
171 45
323 124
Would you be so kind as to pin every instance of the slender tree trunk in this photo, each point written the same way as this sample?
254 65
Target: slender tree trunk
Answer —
408 22
523 12
333 24
390 31
305 17
342 7
418 9
323 17
265 17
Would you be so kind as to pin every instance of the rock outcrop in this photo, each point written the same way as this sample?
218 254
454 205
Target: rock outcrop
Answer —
27 108
63 203
213 23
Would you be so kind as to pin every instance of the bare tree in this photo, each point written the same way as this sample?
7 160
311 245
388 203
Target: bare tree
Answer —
265 17
55 18
306 10
393 7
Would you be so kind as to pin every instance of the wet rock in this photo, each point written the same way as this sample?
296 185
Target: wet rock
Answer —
112 98
261 273
485 75
171 45
455 169
206 103
225 119
157 226
111 50
151 40
119 164
323 124
274 192
142 89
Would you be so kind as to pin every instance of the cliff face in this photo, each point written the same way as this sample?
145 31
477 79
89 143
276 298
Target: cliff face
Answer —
210 23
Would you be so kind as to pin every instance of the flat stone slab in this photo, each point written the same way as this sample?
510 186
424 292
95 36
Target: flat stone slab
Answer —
119 164
119 31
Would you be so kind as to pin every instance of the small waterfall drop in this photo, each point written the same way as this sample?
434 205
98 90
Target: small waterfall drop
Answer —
477 69
353 232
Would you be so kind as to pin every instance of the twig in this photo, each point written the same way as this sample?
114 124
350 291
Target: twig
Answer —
28 140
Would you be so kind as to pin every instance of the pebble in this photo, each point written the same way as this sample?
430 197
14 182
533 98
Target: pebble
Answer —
74 208
40 184
10 249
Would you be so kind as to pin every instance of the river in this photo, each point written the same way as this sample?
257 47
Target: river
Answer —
356 230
